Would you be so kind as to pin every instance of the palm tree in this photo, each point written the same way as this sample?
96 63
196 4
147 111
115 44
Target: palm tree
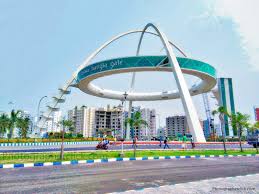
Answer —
23 124
240 121
13 119
135 122
221 111
253 128
65 124
4 124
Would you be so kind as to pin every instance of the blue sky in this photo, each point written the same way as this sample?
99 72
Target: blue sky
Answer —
43 42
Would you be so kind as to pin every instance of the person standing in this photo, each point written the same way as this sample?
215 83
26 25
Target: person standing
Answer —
165 142
114 140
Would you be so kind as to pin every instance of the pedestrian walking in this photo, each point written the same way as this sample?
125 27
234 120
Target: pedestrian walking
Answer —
165 142
134 142
160 141
192 142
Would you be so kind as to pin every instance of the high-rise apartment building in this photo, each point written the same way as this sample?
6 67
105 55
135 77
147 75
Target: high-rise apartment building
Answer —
226 99
83 119
176 125
146 131
91 121
53 125
206 128
77 116
108 118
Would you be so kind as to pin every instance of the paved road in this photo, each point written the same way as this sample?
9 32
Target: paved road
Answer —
83 147
121 176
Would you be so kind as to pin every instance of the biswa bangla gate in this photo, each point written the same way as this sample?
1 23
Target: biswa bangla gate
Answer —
88 72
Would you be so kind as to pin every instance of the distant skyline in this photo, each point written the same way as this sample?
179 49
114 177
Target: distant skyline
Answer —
43 42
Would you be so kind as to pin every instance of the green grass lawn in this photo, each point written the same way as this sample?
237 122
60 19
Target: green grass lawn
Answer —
51 157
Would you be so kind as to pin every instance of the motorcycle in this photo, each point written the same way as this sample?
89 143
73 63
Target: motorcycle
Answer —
102 146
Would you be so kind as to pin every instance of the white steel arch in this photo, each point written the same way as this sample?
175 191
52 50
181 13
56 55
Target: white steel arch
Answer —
190 111
134 78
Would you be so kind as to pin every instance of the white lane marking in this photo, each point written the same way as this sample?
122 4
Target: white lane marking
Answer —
8 166
48 164
29 165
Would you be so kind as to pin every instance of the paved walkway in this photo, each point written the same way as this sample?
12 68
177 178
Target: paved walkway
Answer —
240 184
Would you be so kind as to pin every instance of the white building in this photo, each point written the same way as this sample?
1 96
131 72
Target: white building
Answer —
89 121
78 116
53 125
149 131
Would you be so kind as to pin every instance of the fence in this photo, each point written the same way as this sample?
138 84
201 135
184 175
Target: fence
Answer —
46 143
41 140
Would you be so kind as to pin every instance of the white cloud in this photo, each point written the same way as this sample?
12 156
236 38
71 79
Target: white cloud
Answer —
245 15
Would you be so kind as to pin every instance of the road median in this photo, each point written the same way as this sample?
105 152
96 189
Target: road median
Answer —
43 159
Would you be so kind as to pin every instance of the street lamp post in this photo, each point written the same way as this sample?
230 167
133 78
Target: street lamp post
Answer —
123 104
122 123
38 109
158 122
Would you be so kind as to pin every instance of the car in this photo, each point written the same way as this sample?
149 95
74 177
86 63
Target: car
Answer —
253 138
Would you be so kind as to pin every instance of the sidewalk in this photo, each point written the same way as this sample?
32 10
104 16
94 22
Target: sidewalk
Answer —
231 185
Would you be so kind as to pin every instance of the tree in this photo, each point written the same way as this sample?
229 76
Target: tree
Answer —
71 127
255 128
104 131
23 124
13 119
4 124
221 111
79 135
135 122
240 121
65 124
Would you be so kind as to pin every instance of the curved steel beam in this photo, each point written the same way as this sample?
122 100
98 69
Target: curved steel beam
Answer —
191 114
134 76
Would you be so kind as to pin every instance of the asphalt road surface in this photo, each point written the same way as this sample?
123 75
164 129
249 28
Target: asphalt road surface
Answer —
121 176
83 147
